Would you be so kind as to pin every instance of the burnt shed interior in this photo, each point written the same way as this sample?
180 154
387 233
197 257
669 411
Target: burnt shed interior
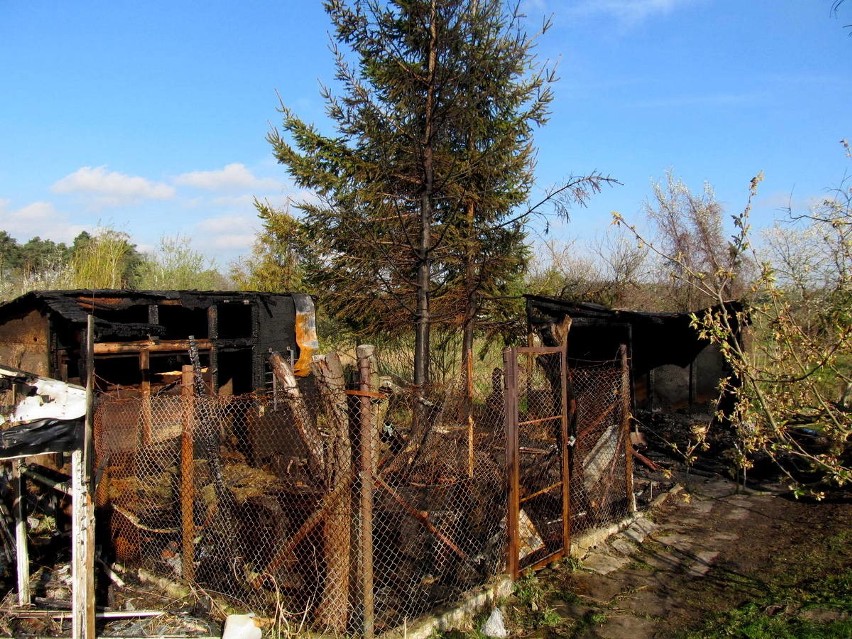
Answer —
671 367
142 338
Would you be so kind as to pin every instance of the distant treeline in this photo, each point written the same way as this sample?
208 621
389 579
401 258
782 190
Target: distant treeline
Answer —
103 259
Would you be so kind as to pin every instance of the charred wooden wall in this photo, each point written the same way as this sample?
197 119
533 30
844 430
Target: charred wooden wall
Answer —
671 367
25 343
142 337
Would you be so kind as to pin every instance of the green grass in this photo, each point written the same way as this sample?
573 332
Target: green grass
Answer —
751 621
814 608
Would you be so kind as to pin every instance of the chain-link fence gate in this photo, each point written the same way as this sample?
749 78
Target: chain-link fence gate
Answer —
568 456
536 438
601 468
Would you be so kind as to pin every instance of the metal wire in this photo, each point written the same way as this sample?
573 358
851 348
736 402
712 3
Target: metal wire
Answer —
599 486
291 532
273 501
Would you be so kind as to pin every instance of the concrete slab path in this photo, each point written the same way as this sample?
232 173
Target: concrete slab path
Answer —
702 550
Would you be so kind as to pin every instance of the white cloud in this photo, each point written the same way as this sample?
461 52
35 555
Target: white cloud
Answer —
779 202
227 233
37 213
233 176
235 202
40 219
628 11
240 242
111 188
228 224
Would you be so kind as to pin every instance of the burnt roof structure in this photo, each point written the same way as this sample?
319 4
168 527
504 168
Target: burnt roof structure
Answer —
142 334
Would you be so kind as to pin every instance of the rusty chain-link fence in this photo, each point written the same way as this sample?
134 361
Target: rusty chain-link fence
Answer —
354 503
600 464
340 498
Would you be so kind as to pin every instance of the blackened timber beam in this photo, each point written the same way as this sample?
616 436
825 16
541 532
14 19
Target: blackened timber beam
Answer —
160 346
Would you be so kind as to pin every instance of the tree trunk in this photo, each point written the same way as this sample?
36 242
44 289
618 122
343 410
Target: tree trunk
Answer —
307 430
423 320
471 306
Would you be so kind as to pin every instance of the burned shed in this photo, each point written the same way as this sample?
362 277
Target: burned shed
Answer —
671 367
142 337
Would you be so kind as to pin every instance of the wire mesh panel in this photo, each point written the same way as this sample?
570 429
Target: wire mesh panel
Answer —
337 499
349 502
601 476
181 491
439 519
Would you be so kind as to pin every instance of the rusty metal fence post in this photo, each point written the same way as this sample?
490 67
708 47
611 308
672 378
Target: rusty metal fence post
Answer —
187 475
565 452
626 403
510 393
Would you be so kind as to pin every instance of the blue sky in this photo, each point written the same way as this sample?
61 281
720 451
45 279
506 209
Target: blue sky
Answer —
151 117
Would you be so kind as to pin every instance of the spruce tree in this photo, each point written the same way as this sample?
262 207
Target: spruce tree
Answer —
417 191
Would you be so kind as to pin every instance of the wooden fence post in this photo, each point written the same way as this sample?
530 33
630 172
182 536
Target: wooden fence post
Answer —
147 418
366 473
626 404
83 510
333 610
23 556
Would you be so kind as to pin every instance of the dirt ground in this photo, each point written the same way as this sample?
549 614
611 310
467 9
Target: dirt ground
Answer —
707 549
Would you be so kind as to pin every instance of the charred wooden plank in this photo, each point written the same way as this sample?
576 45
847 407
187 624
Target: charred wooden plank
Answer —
159 346
305 426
